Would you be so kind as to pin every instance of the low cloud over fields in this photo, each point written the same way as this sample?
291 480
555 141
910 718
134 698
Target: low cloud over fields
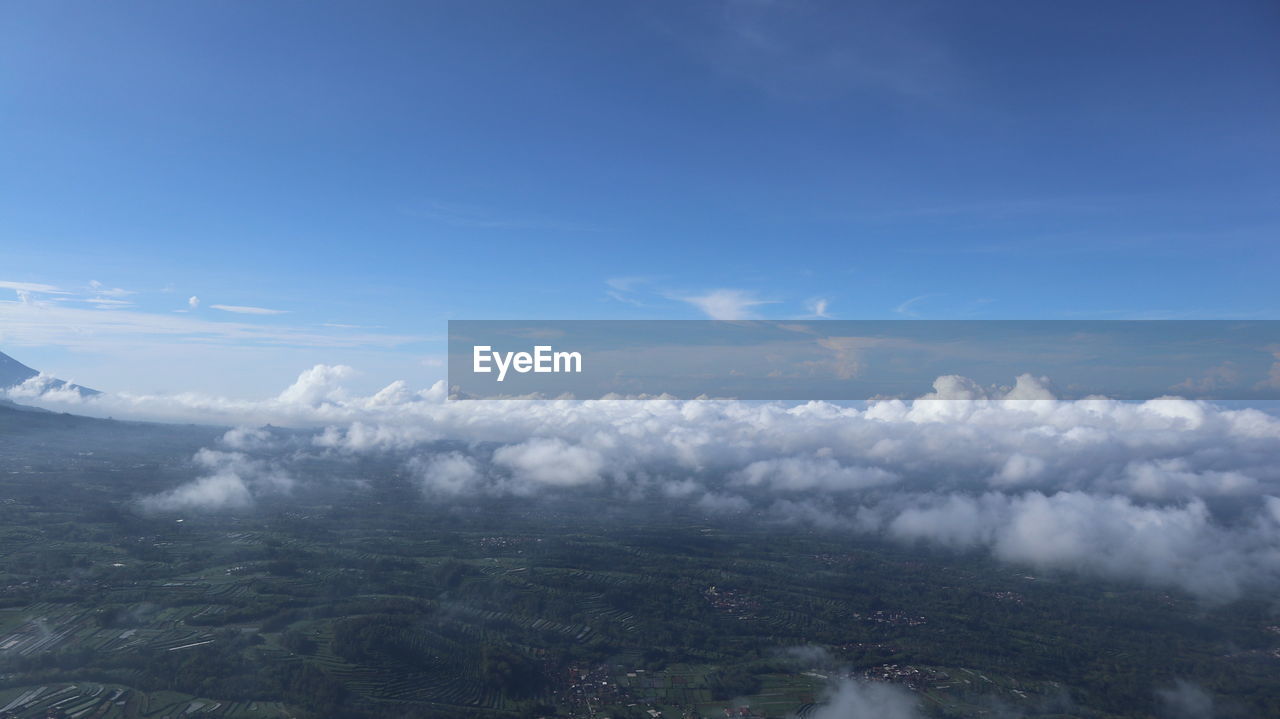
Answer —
228 480
1172 492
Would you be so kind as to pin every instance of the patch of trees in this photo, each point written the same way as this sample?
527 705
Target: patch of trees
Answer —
733 682
513 673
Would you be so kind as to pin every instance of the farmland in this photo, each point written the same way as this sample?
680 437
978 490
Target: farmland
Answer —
359 597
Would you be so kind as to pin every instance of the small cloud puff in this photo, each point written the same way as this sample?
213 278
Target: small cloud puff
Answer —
232 480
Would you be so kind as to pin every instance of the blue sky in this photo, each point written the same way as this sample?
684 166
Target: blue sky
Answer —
369 171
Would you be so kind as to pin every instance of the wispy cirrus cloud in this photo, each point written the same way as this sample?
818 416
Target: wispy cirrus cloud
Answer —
909 307
35 287
102 303
99 295
247 310
627 289
63 325
726 304
716 304
102 290
475 216
823 50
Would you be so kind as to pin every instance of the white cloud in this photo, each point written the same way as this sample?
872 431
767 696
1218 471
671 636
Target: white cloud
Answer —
718 503
1176 478
74 328
32 287
807 473
216 491
449 474
1110 535
247 438
45 388
193 302
851 699
104 291
819 309
102 303
233 480
726 304
320 384
1019 469
245 310
550 462
1185 700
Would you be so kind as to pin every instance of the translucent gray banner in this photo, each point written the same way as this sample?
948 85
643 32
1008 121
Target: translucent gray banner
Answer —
863 359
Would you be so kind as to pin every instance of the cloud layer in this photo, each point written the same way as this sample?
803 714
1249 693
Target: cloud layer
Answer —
1172 492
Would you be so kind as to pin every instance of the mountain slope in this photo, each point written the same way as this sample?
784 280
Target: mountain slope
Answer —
13 372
